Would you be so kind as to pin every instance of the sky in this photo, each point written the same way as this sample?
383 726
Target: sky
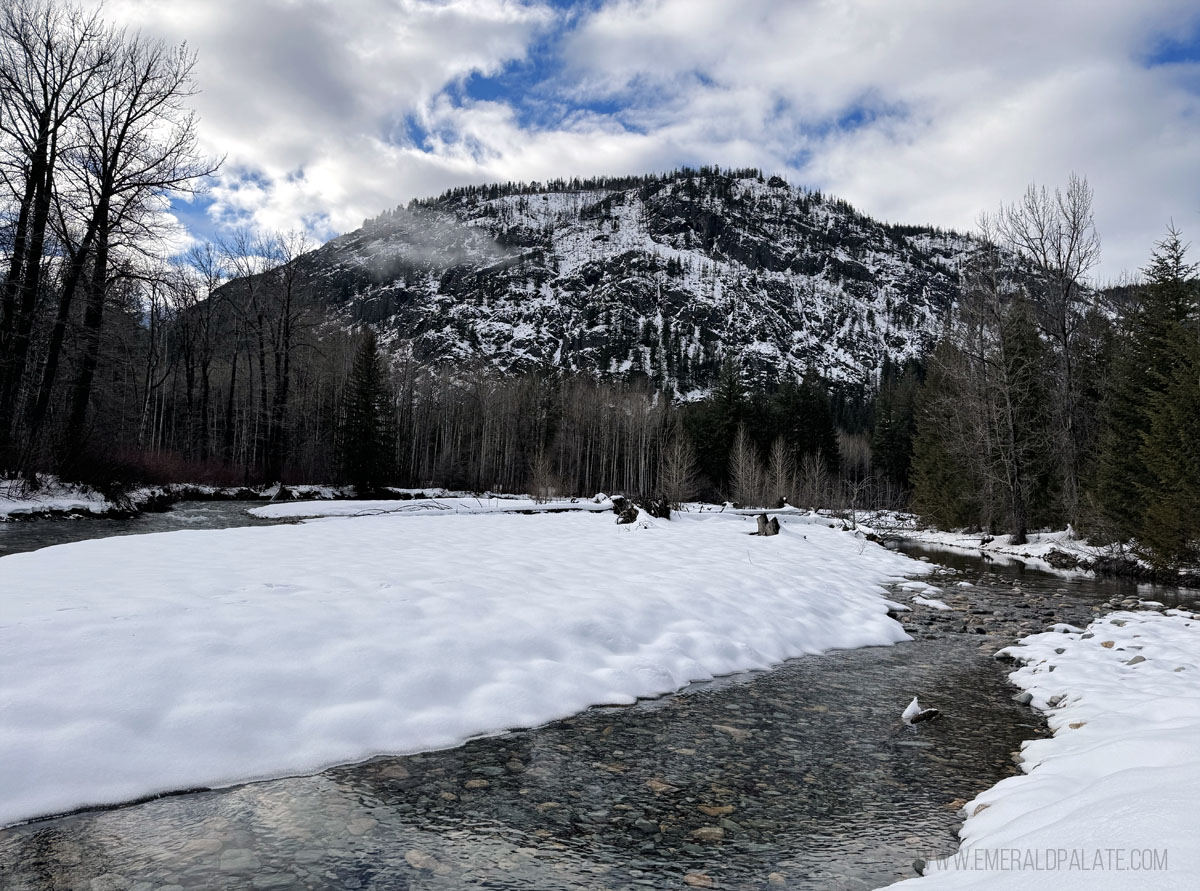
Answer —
924 111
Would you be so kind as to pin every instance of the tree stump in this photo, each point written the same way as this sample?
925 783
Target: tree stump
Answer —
767 527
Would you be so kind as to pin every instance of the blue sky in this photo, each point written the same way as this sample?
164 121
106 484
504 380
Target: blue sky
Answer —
926 111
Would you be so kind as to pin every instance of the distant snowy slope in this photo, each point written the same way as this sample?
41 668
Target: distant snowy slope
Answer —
663 277
138 665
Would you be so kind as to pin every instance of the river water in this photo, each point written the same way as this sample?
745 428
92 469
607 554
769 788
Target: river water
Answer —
800 777
30 535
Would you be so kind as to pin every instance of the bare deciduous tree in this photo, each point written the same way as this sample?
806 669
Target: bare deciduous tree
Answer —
678 473
781 474
745 470
52 62
1056 232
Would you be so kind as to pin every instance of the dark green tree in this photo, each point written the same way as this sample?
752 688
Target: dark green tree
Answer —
801 413
946 489
1144 370
1169 534
366 438
712 424
895 422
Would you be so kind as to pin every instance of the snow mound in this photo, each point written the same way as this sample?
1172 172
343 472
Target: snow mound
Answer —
931 602
138 665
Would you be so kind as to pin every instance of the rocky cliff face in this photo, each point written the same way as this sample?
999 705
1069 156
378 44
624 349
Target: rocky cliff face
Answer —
664 277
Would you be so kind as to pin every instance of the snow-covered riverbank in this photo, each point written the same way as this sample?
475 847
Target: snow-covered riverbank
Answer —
1112 800
1043 550
54 499
447 503
132 666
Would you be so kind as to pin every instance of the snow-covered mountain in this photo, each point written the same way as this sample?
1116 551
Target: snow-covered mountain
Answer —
665 276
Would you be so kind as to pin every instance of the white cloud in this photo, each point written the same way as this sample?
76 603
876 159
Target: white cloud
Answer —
953 107
972 101
302 97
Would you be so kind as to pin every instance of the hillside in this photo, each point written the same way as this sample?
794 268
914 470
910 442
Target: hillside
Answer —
663 276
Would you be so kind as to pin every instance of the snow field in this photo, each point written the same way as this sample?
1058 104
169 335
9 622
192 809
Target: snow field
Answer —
1112 800
464 504
138 665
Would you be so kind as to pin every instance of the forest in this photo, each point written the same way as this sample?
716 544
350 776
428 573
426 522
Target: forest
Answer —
1048 401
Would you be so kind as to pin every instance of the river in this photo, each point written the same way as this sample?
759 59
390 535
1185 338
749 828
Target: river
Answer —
800 777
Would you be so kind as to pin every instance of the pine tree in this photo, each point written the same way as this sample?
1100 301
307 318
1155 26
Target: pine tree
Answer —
1024 456
895 422
1169 533
366 439
802 414
1166 466
712 424
946 491
1124 482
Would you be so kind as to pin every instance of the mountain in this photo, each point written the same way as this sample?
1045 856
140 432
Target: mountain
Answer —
662 276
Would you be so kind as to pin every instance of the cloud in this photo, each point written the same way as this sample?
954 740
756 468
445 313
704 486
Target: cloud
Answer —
921 111
924 111
303 98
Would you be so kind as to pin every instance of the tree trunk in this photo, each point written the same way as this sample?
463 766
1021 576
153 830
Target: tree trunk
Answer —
93 320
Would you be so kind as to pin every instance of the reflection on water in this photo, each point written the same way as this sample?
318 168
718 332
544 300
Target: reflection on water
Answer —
1085 585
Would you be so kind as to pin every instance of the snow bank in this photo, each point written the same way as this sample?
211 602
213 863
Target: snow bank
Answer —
462 504
137 665
50 498
1043 550
1112 800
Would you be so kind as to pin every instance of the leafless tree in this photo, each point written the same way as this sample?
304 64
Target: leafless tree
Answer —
52 64
679 474
781 474
1056 233
745 470
139 147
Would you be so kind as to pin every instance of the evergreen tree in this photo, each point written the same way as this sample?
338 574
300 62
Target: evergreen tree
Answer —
366 440
895 422
946 491
1169 533
801 413
984 448
1124 481
1024 456
713 423
1159 398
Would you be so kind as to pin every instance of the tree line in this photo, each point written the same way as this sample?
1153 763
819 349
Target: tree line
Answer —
1051 403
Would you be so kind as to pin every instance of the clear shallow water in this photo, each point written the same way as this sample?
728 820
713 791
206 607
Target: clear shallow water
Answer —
801 777
30 535
1077 584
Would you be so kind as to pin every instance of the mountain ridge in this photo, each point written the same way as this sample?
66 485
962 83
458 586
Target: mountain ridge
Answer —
665 277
